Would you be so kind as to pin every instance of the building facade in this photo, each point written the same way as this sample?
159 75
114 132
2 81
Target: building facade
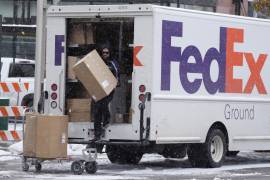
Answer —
18 18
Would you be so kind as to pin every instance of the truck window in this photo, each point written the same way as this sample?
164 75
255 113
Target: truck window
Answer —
21 70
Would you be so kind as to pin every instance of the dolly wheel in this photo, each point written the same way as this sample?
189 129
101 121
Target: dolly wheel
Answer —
77 167
91 167
25 167
38 167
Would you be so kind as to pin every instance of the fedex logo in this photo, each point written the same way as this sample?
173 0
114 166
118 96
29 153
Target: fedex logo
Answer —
225 56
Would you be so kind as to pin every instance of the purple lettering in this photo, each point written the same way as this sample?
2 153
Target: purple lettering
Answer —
59 49
185 68
169 53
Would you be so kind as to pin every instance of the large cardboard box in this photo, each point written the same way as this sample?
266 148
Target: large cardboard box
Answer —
79 110
45 136
95 76
72 60
30 135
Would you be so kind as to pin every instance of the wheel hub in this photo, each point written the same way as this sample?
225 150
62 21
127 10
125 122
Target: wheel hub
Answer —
217 148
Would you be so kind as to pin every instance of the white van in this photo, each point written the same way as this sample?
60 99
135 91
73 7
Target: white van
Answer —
18 71
191 81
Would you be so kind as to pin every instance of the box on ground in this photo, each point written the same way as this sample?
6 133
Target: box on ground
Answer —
79 110
95 75
45 136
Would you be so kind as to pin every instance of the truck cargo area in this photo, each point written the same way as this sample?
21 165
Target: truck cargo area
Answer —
85 35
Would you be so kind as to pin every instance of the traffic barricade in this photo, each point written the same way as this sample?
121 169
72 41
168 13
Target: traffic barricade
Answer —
7 111
12 111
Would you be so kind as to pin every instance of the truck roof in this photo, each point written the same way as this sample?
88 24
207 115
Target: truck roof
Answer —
80 10
136 9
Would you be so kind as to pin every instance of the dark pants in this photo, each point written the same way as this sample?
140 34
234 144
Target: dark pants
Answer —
101 114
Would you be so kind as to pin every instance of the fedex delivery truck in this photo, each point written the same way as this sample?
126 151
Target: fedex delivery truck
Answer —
191 82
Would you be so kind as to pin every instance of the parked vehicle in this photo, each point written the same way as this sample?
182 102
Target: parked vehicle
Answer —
191 82
18 71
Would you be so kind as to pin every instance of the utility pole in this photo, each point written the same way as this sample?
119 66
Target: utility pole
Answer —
40 51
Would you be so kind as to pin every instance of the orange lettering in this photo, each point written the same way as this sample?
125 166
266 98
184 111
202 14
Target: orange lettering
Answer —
255 70
233 59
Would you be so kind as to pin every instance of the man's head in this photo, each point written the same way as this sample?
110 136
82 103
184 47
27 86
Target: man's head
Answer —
105 54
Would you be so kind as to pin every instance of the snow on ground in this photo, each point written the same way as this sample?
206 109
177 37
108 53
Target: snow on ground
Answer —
16 148
4 153
7 156
151 165
72 149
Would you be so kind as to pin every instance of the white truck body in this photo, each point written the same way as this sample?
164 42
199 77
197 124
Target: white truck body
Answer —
201 69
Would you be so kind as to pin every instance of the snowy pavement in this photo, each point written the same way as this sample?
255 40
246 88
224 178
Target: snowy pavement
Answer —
247 165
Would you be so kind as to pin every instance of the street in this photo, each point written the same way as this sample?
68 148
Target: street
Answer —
247 165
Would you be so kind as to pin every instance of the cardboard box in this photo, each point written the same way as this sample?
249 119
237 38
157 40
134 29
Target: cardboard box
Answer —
79 105
30 135
95 76
72 60
81 34
45 136
79 110
89 33
76 34
79 117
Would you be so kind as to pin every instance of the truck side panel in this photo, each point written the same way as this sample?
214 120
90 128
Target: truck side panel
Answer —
210 68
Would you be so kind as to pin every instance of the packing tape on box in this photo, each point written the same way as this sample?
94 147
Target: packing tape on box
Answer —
105 84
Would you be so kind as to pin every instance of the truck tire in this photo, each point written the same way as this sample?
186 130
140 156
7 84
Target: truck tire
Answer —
134 157
211 153
117 154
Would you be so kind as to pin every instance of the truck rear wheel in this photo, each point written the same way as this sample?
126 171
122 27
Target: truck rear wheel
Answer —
118 154
211 153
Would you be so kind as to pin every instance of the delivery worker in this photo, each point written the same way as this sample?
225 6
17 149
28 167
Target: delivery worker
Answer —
101 108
